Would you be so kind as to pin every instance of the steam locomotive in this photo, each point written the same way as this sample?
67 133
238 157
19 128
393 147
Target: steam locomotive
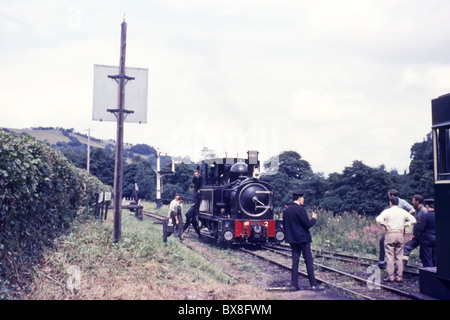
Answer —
234 205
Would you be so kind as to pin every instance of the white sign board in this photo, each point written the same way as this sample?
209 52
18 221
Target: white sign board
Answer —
106 94
104 196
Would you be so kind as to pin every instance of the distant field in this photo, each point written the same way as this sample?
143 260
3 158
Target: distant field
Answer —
55 136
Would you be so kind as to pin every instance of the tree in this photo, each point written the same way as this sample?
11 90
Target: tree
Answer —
178 182
294 173
359 188
144 149
420 177
102 165
141 172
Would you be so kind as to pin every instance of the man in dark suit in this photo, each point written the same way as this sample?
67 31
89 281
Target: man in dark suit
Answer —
427 235
296 228
196 180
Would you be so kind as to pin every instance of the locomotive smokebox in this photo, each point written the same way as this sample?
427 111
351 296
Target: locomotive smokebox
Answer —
255 199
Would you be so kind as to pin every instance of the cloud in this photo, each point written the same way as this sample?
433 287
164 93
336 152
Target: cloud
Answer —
334 80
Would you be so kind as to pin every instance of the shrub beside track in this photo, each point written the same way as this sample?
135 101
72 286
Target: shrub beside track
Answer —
40 194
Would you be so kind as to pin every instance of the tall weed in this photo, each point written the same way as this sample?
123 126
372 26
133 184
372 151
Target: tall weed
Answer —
347 232
352 233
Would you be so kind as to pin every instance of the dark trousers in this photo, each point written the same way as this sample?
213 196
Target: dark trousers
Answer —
178 227
428 250
428 255
191 217
297 249
196 201
410 246
193 220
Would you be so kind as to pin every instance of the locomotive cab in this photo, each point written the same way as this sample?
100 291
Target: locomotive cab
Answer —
235 206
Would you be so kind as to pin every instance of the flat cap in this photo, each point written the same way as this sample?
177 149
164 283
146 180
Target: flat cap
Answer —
299 192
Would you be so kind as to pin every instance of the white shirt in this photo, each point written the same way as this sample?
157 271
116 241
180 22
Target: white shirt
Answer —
172 205
395 219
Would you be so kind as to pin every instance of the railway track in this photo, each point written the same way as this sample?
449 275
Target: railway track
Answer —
363 261
356 282
337 256
155 216
284 265
352 275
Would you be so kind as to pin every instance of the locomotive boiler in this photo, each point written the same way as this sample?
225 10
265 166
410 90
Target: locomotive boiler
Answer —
234 204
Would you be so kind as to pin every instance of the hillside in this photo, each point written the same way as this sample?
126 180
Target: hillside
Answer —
140 161
52 136
57 136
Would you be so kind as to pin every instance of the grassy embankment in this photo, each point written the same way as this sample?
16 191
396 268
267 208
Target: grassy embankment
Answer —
141 266
87 264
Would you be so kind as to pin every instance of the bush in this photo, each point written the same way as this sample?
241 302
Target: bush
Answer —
40 194
348 232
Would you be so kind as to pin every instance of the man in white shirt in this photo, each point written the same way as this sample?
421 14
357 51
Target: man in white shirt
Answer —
172 204
394 220
178 212
402 204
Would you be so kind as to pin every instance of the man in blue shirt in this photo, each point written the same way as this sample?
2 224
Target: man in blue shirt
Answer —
417 201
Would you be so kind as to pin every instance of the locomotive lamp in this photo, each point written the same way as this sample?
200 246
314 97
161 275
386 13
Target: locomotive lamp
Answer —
435 281
253 163
252 157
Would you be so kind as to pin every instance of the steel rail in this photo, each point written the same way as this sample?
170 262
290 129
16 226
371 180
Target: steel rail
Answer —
349 291
403 293
346 257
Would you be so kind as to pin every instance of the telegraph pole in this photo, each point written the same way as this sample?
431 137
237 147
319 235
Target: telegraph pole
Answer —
88 161
104 95
120 115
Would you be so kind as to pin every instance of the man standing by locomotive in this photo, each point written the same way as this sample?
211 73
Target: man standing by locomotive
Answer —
402 204
173 204
427 235
417 202
178 213
197 185
296 227
394 219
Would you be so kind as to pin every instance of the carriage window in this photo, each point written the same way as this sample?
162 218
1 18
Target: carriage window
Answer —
442 154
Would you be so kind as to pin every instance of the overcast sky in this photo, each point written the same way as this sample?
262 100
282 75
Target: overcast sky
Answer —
334 80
